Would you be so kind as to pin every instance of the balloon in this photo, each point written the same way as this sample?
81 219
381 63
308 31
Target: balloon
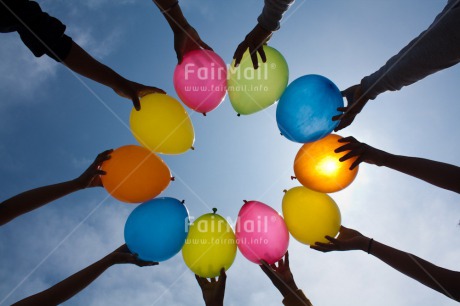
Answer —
305 110
310 215
162 125
261 233
201 80
317 166
251 90
210 246
156 230
134 174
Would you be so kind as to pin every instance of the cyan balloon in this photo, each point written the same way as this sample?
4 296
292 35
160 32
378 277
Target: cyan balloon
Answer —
305 110
156 230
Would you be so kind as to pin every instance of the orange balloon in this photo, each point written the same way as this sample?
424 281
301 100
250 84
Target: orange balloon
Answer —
317 166
135 174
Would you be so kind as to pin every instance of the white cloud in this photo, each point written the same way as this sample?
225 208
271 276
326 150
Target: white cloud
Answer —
21 73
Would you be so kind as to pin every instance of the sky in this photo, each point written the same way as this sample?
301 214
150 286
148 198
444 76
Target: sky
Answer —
53 123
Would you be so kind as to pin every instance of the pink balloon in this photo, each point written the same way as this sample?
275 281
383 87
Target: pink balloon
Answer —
201 80
261 233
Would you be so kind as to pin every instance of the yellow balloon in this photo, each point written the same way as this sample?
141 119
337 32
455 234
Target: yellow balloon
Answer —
162 125
310 215
210 246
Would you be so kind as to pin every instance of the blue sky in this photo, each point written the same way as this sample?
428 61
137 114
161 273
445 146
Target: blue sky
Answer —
53 124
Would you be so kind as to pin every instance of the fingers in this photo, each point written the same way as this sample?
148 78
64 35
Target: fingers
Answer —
348 139
321 247
205 46
222 275
357 162
262 54
337 117
331 239
136 103
253 53
239 53
266 268
156 90
286 259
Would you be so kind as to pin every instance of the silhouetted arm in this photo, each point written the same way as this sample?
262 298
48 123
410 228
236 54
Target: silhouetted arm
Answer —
84 64
435 49
268 22
442 280
437 173
282 278
213 290
35 198
186 38
69 287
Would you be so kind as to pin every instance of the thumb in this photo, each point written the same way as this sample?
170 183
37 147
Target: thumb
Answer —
136 103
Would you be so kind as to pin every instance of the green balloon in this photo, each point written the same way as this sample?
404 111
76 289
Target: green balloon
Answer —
251 90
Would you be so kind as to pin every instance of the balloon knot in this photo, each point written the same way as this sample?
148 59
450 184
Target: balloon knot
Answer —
192 147
284 190
214 210
173 178
238 115
245 201
293 177
281 134
204 114
183 201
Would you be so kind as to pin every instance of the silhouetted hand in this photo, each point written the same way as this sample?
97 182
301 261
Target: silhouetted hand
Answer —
280 275
134 91
355 103
186 40
91 176
122 255
362 151
254 41
348 239
213 290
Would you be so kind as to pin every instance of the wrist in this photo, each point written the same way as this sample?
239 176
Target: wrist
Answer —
78 184
290 288
364 243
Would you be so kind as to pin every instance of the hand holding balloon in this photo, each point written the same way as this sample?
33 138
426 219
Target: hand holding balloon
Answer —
281 275
348 239
356 102
362 151
254 42
134 91
186 40
123 255
91 176
213 290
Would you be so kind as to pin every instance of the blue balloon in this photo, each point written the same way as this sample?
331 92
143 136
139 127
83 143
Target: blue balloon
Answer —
156 230
305 110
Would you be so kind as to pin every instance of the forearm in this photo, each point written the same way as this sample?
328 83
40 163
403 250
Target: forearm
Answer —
69 287
439 174
435 49
272 13
35 198
296 298
442 280
84 64
173 14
